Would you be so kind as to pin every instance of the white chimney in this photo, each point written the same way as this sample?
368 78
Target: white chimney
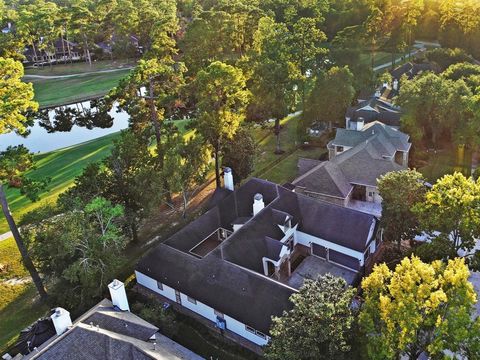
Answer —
228 179
378 94
61 320
395 84
118 295
258 204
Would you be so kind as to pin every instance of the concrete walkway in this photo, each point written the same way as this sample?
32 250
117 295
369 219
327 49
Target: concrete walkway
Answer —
75 75
6 236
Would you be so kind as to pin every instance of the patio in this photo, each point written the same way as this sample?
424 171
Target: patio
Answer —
313 266
366 207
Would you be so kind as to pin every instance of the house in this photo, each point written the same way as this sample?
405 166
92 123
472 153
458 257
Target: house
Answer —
357 158
373 109
237 265
107 331
61 50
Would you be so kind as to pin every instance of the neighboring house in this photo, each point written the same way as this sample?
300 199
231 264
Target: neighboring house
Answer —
238 264
373 109
107 331
357 159
60 51
410 70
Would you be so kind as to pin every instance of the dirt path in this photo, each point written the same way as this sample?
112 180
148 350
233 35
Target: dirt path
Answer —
75 75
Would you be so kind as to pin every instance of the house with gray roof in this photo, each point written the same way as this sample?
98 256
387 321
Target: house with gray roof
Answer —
238 264
108 331
375 108
357 158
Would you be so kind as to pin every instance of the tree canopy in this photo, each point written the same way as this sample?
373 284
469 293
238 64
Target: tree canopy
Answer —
318 326
419 307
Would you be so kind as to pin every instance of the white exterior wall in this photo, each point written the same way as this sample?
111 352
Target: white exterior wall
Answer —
151 284
200 308
376 198
306 240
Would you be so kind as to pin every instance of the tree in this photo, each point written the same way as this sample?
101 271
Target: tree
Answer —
271 80
330 97
16 98
186 165
239 153
418 308
14 162
452 208
131 179
400 191
318 326
79 250
222 100
431 106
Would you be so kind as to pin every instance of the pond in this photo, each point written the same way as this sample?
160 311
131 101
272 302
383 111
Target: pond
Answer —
40 140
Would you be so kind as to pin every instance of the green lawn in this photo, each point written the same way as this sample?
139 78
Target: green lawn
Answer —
18 305
286 170
62 166
446 161
51 92
78 67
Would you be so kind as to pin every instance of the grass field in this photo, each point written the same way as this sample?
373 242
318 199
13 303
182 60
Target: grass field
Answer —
447 161
62 166
78 67
51 92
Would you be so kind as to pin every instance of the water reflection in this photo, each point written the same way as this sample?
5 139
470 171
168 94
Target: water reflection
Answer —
40 140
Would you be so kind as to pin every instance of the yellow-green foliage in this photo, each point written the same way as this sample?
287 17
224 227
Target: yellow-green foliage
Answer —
418 307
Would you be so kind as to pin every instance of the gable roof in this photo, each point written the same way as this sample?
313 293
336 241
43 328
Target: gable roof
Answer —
374 109
371 155
386 135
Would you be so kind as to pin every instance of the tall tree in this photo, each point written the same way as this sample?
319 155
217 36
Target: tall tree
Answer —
16 98
186 165
330 97
239 153
132 180
14 162
400 191
418 308
318 326
222 100
271 80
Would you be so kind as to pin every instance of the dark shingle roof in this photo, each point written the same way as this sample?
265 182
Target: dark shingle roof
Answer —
230 278
241 294
112 320
326 178
83 344
305 165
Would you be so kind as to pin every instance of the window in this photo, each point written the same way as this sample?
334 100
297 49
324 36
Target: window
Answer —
339 149
250 329
370 193
159 285
260 334
192 300
218 313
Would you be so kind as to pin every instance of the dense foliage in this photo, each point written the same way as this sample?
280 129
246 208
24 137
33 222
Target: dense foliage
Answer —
296 336
420 307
